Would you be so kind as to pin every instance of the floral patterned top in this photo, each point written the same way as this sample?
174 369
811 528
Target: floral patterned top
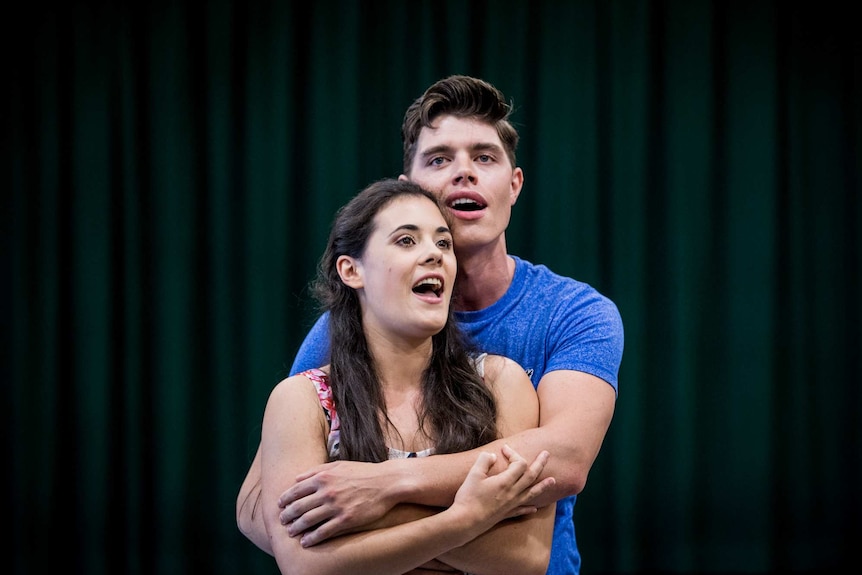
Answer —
324 394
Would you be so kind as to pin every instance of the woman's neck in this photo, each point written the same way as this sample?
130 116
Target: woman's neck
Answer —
400 365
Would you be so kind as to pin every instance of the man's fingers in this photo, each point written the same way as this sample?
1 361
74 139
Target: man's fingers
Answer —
307 474
323 532
304 486
299 508
296 492
303 515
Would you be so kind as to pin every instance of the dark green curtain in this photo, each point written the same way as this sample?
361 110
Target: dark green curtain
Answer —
170 170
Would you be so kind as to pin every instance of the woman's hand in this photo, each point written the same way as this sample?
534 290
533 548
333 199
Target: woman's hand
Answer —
484 500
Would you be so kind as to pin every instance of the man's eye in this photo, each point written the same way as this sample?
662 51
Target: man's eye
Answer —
485 158
437 161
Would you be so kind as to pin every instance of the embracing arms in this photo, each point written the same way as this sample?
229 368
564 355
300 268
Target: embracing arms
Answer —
293 439
575 411
343 496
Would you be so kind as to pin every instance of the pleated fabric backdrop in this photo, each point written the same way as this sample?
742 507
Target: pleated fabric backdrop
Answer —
170 170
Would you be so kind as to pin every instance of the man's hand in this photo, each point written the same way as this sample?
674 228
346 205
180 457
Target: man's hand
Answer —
334 499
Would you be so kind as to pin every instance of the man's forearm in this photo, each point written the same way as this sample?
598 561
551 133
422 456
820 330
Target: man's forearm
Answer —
431 481
435 480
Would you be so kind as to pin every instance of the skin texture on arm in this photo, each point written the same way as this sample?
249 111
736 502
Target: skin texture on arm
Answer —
248 518
576 409
294 436
519 544
313 352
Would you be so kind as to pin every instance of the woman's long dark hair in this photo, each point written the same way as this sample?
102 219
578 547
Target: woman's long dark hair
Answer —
458 411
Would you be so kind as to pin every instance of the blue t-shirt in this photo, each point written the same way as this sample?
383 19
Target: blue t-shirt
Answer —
545 322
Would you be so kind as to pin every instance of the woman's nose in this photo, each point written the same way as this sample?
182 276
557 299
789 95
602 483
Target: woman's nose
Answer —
434 255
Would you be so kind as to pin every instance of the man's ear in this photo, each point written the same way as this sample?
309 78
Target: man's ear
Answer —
350 271
516 185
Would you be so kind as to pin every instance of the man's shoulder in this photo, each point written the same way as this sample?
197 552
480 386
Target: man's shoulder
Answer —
565 298
534 269
540 277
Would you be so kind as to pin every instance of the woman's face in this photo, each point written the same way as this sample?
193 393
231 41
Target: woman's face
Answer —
406 274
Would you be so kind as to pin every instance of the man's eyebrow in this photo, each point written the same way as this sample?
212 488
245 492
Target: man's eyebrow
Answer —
486 146
477 147
434 150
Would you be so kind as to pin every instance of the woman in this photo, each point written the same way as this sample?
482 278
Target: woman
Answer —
402 384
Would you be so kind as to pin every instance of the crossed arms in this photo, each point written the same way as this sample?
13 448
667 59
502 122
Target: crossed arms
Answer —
328 504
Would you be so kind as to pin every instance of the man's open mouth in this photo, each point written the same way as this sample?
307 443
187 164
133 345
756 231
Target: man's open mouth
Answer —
466 205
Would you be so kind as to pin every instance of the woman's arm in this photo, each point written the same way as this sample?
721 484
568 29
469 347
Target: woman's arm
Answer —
294 438
313 353
516 545
248 511
521 544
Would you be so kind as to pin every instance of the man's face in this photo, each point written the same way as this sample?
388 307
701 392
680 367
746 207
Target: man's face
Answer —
463 160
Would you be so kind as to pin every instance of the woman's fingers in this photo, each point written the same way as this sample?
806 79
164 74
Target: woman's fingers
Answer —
525 475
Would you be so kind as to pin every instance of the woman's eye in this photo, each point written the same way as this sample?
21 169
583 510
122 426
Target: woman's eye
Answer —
405 241
444 244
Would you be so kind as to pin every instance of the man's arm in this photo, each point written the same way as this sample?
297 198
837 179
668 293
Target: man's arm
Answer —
521 543
250 522
516 545
293 438
575 412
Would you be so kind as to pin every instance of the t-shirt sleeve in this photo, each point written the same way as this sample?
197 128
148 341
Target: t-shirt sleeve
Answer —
314 351
589 338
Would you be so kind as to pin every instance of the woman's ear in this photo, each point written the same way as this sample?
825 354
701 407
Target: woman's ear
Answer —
350 271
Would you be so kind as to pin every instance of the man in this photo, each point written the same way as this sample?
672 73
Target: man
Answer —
459 143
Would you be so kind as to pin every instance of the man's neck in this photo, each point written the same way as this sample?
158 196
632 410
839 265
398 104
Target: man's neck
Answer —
483 278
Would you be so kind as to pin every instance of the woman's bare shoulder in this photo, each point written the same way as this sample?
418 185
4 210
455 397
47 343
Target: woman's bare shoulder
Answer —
500 367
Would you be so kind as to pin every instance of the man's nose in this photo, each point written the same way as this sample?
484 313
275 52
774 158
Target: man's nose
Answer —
464 171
